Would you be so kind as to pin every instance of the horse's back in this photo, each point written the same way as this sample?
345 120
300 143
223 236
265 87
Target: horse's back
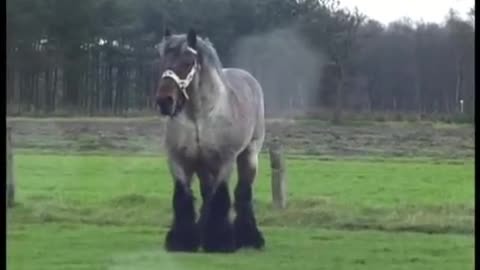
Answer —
238 77
249 94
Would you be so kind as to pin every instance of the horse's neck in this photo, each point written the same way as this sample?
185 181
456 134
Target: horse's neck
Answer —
210 98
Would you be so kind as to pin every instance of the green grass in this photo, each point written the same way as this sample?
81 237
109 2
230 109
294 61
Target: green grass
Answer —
111 212
92 247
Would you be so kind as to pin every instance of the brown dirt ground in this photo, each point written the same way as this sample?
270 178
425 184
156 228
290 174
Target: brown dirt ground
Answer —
306 137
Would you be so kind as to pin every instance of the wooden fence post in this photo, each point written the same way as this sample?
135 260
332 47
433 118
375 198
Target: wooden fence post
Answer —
10 171
279 181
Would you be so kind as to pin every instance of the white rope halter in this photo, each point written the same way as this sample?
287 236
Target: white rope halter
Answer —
183 83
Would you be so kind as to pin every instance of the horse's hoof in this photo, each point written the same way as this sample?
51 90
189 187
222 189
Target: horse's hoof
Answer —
248 236
182 240
219 239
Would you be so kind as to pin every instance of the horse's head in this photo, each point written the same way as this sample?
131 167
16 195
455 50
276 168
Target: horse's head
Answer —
179 66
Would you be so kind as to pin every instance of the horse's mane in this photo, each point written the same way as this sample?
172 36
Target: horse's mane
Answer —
209 53
204 47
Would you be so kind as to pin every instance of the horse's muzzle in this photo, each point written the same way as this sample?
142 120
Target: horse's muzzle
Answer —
166 105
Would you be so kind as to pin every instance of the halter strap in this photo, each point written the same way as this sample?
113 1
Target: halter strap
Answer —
183 83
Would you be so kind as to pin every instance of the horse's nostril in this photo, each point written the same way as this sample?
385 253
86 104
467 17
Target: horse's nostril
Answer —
165 104
161 101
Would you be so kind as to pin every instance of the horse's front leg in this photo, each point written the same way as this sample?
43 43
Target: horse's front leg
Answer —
183 234
217 233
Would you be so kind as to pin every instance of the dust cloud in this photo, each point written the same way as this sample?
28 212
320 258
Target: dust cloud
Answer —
288 69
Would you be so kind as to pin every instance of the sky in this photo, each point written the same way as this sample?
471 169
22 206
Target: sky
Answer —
386 11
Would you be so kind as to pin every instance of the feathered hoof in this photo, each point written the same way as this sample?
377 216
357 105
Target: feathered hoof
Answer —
182 240
219 238
248 236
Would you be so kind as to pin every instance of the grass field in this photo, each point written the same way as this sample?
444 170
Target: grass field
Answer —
112 212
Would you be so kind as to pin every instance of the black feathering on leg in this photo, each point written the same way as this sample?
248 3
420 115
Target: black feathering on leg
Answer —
246 231
217 231
184 234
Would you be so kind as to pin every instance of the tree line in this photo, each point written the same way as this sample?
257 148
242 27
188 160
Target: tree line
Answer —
98 57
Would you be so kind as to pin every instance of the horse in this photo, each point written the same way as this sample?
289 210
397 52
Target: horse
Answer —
215 119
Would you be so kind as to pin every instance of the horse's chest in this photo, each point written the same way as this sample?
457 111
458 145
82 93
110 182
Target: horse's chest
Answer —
184 143
201 141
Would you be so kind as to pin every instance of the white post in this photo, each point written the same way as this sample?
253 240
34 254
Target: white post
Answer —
279 181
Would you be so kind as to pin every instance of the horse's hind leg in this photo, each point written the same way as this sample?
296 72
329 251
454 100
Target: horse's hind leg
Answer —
183 234
246 231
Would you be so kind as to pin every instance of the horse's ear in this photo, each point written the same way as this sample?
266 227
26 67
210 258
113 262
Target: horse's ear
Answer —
167 33
192 38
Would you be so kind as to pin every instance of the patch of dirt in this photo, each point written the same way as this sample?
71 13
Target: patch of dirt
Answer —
300 137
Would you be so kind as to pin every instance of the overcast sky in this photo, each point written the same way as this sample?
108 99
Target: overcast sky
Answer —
387 11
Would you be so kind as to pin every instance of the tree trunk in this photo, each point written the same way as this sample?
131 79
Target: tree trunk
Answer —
458 84
10 170
97 75
339 99
31 90
11 78
108 88
54 90
47 90
38 93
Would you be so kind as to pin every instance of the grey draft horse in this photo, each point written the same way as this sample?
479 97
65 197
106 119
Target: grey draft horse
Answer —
215 118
